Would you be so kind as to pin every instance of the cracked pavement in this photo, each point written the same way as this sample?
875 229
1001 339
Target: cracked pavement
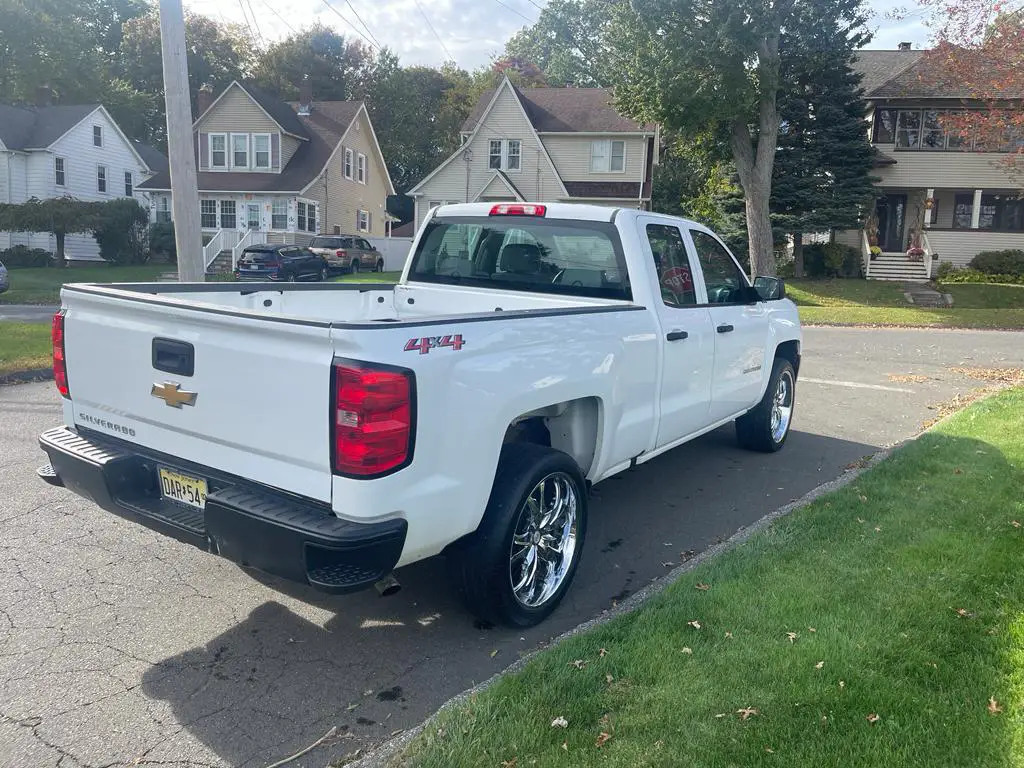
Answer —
119 647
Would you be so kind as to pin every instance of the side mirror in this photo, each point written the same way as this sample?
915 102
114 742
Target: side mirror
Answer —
770 288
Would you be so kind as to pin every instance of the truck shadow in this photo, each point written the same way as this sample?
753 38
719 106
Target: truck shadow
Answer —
277 681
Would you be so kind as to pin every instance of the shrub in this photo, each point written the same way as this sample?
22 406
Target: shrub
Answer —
121 229
1007 262
950 274
22 256
831 260
161 241
945 269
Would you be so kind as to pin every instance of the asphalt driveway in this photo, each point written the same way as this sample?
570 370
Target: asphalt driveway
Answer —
118 645
26 313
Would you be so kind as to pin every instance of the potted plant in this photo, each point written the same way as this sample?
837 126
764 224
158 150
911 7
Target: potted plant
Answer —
915 252
875 252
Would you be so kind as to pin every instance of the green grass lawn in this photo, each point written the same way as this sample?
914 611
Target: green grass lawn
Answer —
42 286
873 302
883 625
24 346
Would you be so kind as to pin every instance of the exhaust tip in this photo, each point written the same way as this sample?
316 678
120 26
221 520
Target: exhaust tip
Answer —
388 586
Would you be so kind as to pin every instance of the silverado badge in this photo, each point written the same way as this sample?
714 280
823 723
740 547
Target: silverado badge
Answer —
173 395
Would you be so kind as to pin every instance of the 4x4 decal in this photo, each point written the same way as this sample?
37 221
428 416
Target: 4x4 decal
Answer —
427 343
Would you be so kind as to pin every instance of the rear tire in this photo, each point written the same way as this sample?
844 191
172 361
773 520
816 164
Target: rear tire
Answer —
324 272
291 278
518 565
766 427
380 266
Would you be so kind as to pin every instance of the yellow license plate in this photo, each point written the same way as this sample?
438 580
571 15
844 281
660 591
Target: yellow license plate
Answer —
182 488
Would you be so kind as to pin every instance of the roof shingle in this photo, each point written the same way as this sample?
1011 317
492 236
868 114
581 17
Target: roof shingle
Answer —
39 127
565 110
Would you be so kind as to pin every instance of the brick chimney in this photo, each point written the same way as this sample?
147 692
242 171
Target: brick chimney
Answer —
305 96
905 46
203 100
44 96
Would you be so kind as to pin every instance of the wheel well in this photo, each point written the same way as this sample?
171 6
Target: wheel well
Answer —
790 350
570 427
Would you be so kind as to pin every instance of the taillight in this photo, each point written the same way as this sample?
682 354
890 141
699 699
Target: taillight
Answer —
60 363
340 254
518 209
373 419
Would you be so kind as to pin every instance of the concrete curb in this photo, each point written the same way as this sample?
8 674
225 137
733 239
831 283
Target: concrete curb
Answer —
26 376
382 755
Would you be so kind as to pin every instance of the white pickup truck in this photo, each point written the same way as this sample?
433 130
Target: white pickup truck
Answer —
329 433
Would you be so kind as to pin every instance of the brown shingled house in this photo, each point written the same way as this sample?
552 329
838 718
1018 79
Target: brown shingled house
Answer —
545 144
278 172
958 194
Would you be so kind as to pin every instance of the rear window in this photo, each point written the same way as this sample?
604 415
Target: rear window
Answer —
579 258
325 242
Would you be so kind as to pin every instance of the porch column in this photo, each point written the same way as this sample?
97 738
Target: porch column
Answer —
976 210
929 197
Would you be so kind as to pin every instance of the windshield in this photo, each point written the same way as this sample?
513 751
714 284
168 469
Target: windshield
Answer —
579 258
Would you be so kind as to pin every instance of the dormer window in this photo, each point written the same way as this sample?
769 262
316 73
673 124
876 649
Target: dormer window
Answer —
239 150
261 151
218 150
607 156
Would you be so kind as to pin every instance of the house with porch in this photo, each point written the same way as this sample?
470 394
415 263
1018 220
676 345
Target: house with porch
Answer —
954 197
545 145
272 171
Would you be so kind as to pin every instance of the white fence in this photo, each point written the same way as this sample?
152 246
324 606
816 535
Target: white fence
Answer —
394 249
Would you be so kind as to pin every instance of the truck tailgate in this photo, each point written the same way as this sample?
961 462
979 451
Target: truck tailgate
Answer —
262 386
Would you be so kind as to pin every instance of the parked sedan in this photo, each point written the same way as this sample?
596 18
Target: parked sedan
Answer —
280 262
348 253
5 281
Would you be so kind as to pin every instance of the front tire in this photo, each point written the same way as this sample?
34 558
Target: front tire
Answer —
518 565
766 427
380 266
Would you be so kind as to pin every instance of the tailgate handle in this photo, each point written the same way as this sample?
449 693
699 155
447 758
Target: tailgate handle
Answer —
172 356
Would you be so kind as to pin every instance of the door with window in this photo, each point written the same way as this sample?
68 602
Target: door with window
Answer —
252 215
688 343
740 327
892 214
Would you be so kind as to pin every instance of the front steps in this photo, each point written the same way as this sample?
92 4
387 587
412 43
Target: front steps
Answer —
897 267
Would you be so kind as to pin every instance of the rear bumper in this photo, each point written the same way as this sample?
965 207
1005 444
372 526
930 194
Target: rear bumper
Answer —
296 539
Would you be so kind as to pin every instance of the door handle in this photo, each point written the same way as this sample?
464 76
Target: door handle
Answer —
676 335
725 329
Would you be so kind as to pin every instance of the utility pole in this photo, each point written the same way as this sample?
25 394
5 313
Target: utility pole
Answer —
188 237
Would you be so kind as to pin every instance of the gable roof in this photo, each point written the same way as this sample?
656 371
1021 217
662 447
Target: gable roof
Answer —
38 127
502 178
276 109
879 67
154 159
565 110
324 128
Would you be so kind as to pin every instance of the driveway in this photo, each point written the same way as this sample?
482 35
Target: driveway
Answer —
118 645
26 313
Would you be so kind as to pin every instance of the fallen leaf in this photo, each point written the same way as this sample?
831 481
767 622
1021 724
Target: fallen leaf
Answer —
1015 523
819 665
861 520
811 629
559 722
873 718
747 712
579 663
659 744
350 707
964 613
695 624
864 499
668 564
604 721
509 763
494 653
877 529
368 693
687 650
907 378
684 556
602 739
602 653
703 587
565 745
721 715
842 683
792 636
728 635
958 471
769 750
608 678
994 707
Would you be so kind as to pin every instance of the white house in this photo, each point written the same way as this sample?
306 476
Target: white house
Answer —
76 151
545 145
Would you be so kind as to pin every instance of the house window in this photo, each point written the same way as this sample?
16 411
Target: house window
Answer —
101 178
885 126
1004 213
514 155
361 169
261 150
494 155
218 150
363 221
58 172
207 214
163 211
933 136
97 135
301 211
228 219
608 156
348 163
279 215
311 218
908 129
129 187
239 150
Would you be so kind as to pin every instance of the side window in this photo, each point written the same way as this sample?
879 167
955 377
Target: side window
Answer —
672 265
725 282
364 245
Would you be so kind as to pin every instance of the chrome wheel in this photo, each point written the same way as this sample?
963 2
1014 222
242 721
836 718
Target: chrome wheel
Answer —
782 406
544 542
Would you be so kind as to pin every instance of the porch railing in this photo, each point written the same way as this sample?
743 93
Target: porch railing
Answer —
213 248
865 248
252 237
927 246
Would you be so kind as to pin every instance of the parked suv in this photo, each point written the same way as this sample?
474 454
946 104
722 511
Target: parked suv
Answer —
348 253
5 282
280 262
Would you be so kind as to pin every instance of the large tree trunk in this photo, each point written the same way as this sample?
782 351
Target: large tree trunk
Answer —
60 249
798 254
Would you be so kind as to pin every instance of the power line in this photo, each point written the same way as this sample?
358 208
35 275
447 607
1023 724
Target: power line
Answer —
252 36
439 40
254 22
280 17
352 26
360 18
517 13
538 7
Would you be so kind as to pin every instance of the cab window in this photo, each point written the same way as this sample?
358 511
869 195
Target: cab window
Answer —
725 281
672 265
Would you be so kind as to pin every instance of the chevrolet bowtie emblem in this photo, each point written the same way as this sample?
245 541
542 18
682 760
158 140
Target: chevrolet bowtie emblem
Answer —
173 395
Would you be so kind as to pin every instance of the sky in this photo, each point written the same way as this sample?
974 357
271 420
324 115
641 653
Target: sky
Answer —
468 31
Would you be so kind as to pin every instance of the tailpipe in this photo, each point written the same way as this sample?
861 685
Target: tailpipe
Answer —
388 586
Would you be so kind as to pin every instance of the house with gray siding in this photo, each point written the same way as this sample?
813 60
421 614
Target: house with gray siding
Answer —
956 196
271 171
545 145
